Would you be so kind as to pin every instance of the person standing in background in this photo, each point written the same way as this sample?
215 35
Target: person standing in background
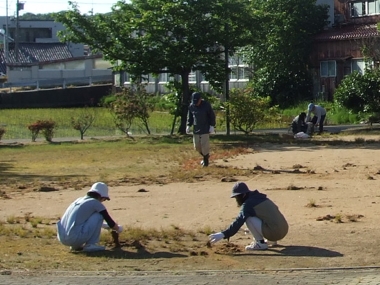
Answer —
202 118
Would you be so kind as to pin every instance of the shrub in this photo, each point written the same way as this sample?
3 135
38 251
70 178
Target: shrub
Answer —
130 105
248 110
35 128
360 92
45 126
83 121
2 132
48 130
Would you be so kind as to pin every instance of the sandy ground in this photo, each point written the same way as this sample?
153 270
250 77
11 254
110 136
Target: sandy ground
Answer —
340 181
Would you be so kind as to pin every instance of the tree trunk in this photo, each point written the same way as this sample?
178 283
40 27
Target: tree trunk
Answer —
173 125
146 125
185 101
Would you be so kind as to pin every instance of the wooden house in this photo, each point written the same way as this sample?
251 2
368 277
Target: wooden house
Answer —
349 44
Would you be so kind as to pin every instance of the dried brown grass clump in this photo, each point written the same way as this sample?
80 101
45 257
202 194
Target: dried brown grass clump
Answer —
293 187
341 218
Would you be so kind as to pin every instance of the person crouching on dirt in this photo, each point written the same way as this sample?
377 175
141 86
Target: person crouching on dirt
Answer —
299 124
319 115
81 224
260 214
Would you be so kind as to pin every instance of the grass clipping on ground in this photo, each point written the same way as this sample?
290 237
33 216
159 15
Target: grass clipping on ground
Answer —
30 243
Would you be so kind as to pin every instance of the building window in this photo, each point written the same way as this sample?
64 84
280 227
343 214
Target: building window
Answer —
163 77
328 68
364 8
192 77
239 69
361 65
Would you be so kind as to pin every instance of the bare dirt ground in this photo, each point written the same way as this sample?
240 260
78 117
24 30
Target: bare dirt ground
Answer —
329 195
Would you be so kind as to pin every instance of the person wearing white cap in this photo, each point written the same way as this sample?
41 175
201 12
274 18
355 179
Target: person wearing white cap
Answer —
262 217
81 224
319 115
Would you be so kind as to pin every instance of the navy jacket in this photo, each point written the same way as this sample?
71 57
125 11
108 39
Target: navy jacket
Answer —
274 224
201 117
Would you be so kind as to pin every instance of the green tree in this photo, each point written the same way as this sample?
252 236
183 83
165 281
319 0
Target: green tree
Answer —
161 36
282 48
37 17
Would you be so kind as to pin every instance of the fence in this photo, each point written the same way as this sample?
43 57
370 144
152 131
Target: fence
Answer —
57 83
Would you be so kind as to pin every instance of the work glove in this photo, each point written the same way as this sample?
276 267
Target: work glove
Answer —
187 129
117 228
211 130
216 237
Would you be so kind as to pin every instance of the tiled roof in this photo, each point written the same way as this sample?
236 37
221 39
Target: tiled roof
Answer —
2 62
39 52
35 53
349 32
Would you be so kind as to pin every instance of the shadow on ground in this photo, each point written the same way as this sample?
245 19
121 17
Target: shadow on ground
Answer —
120 253
297 250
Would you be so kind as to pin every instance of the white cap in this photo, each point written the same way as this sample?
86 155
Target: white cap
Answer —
100 188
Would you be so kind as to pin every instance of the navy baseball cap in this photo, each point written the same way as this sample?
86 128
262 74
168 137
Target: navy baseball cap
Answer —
195 97
239 188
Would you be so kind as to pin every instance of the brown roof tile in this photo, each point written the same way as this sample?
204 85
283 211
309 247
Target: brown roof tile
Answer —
349 32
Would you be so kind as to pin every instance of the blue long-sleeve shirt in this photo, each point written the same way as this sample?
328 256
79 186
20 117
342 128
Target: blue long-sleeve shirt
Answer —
201 117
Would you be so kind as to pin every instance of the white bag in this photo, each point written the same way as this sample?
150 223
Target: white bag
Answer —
301 135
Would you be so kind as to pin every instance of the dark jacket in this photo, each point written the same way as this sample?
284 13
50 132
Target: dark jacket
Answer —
201 117
275 226
299 125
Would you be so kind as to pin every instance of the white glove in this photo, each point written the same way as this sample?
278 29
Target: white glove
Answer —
187 129
216 237
107 227
212 129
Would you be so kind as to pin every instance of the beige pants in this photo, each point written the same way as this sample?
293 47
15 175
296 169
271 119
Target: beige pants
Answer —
202 143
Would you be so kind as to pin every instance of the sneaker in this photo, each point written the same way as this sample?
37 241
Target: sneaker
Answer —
79 248
93 247
256 245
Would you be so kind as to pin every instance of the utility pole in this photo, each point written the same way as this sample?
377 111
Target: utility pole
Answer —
6 34
19 6
227 81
